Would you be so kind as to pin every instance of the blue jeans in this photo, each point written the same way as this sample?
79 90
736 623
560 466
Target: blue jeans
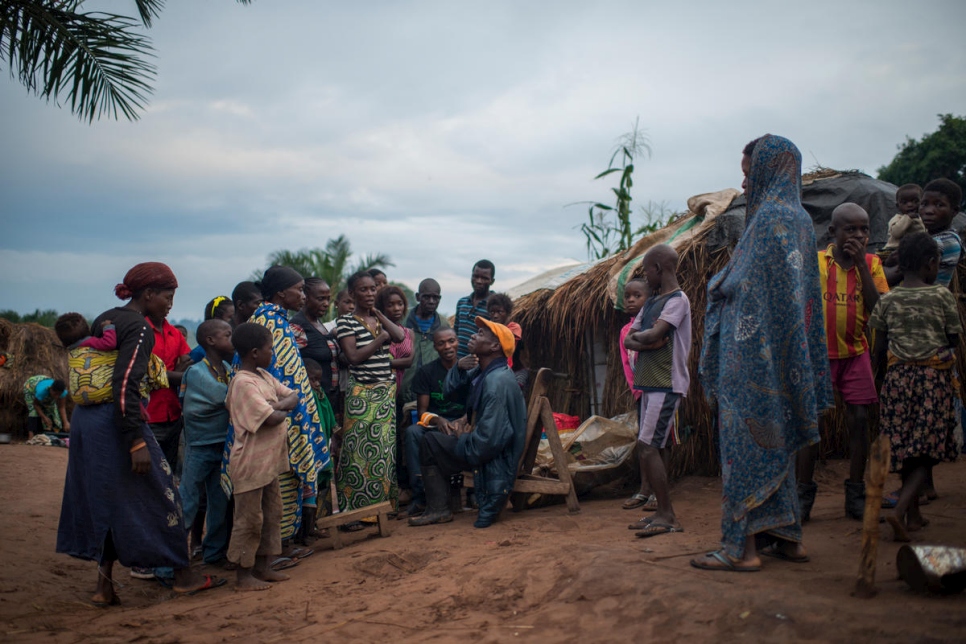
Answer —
202 471
414 436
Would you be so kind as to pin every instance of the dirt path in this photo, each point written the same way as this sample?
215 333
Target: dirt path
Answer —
541 575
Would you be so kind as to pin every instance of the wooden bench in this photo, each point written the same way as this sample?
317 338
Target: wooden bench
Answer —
335 521
539 421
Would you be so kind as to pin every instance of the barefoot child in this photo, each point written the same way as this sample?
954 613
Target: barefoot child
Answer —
661 373
635 293
851 281
259 405
917 325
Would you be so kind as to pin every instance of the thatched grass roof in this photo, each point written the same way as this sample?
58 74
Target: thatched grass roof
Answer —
35 350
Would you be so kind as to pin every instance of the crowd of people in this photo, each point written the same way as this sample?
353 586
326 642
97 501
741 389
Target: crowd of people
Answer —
231 451
234 448
786 336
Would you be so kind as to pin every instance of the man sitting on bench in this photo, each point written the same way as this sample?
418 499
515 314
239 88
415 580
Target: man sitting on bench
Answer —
492 441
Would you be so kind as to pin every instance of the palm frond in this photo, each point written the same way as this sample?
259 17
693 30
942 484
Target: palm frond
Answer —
97 61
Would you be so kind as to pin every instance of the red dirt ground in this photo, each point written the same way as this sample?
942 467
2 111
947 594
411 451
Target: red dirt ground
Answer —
540 575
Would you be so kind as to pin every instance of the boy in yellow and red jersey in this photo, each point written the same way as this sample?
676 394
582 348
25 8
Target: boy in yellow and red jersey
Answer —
851 283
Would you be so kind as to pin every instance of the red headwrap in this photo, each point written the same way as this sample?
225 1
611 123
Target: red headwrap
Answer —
146 275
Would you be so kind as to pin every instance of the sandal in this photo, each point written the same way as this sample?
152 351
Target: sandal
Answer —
653 529
724 562
301 553
355 526
283 563
210 582
775 551
640 524
636 501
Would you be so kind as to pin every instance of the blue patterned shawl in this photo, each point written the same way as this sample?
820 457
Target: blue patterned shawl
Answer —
764 359
308 449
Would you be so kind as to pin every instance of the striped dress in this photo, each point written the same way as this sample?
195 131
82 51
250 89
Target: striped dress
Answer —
366 473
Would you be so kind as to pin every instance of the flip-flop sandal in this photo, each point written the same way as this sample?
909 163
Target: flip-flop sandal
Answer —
210 582
654 529
889 501
284 563
651 505
641 524
301 553
777 553
725 562
636 501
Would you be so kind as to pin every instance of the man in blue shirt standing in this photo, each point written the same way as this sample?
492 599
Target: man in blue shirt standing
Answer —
473 305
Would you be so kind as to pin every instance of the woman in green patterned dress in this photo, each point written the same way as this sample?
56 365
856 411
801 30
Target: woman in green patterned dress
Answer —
367 464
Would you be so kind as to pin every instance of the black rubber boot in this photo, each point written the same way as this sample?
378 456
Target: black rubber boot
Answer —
437 498
854 500
806 499
490 507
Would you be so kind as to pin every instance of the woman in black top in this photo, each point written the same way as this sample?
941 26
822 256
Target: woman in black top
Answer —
120 501
313 340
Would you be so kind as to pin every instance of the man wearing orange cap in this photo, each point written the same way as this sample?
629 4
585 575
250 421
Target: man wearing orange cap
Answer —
490 443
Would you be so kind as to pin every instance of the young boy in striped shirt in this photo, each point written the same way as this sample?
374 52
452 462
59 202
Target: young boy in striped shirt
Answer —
851 283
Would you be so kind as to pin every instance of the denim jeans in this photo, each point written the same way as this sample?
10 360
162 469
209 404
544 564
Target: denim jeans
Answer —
414 436
202 471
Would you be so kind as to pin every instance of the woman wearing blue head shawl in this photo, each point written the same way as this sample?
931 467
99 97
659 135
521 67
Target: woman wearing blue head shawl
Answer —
764 362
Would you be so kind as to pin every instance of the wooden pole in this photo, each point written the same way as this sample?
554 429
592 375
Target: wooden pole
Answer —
874 482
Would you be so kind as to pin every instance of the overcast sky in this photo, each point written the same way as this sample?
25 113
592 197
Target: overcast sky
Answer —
442 132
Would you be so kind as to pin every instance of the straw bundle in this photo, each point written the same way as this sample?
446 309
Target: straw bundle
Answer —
35 350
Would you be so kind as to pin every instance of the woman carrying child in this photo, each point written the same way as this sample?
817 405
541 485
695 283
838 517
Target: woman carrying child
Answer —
120 500
918 325
367 463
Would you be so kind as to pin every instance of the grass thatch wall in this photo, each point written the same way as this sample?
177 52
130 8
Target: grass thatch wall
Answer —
556 325
35 350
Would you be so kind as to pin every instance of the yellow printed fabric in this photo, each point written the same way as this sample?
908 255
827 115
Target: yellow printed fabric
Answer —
90 373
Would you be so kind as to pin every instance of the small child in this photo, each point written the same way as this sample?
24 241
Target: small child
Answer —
90 361
73 331
941 199
917 325
635 294
907 220
499 308
307 530
220 308
851 281
204 387
663 344
258 405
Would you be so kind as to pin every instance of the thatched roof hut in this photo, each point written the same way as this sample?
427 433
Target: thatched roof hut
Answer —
571 325
34 349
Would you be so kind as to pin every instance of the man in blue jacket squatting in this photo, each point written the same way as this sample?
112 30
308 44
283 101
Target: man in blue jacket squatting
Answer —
490 443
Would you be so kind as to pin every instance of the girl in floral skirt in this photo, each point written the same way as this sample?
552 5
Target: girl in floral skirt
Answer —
917 325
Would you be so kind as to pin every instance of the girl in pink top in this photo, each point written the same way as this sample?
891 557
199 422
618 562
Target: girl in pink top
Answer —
391 301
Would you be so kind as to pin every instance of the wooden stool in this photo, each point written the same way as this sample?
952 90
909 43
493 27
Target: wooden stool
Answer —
335 521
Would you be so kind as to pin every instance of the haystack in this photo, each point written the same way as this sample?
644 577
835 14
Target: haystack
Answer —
35 350
574 327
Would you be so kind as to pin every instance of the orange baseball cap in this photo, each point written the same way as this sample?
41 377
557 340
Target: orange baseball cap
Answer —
503 334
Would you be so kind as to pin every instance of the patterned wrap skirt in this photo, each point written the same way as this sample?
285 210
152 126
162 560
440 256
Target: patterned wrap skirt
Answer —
918 413
109 512
367 465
